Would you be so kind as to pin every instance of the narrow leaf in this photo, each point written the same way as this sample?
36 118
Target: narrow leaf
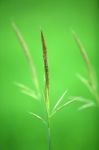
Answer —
22 86
38 117
88 105
62 106
67 103
26 90
59 101
81 99
91 87
85 82
33 95
86 102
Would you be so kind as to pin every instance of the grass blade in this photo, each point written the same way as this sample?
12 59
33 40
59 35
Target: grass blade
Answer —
26 90
67 103
88 105
22 86
28 56
85 82
38 117
62 106
59 101
33 95
81 99
72 100
86 102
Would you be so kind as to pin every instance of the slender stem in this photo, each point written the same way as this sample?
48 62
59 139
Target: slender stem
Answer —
48 123
48 128
49 134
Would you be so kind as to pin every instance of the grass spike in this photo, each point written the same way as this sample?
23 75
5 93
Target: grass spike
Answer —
46 70
46 92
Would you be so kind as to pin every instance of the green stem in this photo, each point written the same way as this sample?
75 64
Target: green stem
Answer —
48 122
49 134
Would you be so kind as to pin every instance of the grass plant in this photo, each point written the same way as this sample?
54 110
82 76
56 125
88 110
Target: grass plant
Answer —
91 82
36 93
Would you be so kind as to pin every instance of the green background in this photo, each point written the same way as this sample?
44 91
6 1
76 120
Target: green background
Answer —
70 129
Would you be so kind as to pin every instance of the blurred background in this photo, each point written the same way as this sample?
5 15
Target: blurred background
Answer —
70 129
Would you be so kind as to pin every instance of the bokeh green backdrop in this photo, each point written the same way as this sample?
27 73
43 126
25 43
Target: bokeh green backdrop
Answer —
70 129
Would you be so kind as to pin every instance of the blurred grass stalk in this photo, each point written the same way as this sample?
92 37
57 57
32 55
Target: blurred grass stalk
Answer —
91 83
47 102
28 58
